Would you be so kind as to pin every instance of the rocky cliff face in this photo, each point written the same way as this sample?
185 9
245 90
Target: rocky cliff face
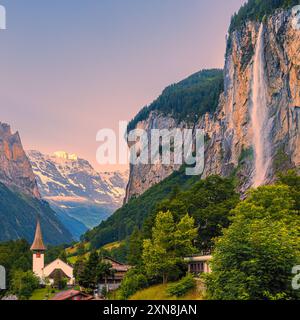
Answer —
258 119
15 168
20 201
141 176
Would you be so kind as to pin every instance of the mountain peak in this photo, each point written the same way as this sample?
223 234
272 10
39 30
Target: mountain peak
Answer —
15 168
65 155
81 196
5 128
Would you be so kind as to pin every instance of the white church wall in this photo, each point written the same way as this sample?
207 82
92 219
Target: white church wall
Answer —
38 264
59 264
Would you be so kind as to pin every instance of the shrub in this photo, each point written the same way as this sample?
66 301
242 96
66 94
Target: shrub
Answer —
132 282
182 287
23 284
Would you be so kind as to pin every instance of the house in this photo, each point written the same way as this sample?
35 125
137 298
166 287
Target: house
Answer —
51 270
113 282
72 295
198 264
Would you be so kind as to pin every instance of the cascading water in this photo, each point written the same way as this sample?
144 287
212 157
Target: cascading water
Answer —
259 114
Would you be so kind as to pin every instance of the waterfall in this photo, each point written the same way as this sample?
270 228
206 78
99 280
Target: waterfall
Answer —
259 114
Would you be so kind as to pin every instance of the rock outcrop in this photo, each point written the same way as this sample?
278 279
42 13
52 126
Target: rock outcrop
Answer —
20 201
230 147
15 168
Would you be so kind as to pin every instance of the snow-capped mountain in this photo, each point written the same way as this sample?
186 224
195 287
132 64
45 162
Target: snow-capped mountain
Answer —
80 195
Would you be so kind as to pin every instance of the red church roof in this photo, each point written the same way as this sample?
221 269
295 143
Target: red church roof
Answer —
38 244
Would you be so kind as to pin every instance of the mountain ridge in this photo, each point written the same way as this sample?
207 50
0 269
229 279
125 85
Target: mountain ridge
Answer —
81 196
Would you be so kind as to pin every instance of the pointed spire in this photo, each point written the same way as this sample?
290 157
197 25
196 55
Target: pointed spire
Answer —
38 244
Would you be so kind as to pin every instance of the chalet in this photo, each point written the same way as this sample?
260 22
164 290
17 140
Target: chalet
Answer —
198 264
72 295
114 281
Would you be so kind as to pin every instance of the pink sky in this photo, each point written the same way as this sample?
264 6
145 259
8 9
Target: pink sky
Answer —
66 73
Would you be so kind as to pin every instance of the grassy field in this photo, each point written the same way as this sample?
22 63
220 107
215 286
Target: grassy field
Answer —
43 294
159 292
112 245
72 251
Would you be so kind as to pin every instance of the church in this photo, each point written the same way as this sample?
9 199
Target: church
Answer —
49 271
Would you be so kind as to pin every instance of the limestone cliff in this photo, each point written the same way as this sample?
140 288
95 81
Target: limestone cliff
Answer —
15 168
20 201
257 122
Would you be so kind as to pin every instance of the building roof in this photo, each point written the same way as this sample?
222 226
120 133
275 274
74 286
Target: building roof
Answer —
57 261
199 258
69 294
38 243
116 265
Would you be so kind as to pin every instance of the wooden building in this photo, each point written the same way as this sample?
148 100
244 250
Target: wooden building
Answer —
118 273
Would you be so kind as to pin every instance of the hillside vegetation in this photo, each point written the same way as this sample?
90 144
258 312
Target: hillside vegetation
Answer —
188 99
209 201
254 257
18 213
257 9
133 214
160 292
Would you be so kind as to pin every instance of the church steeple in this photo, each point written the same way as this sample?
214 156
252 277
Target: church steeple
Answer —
38 243
38 249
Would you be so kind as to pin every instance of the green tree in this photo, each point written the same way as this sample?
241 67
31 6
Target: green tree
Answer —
209 202
170 242
89 277
80 249
257 9
63 256
60 282
133 281
134 256
14 255
23 284
104 270
292 180
79 271
54 252
255 256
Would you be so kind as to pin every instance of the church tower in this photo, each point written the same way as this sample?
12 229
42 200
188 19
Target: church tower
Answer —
38 250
